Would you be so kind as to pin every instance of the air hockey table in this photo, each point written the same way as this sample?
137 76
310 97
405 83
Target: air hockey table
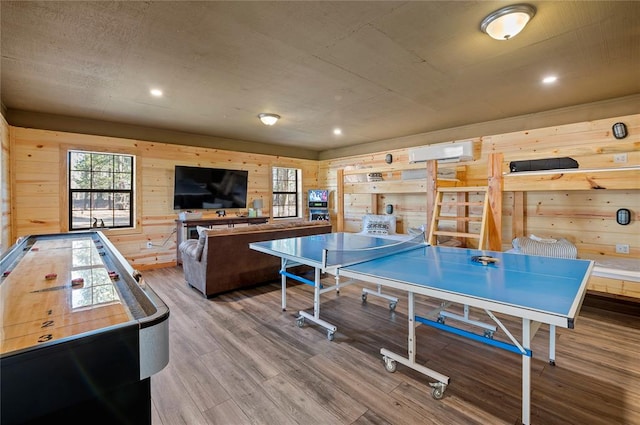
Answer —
81 333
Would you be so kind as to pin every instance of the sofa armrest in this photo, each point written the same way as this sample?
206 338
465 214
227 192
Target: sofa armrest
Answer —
192 248
195 270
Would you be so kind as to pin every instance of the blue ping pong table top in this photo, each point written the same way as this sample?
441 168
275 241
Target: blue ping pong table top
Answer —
308 249
526 281
533 282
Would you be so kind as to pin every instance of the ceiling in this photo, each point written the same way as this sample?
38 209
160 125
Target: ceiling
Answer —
375 69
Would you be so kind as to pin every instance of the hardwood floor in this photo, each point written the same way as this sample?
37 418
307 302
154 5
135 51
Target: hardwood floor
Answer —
238 359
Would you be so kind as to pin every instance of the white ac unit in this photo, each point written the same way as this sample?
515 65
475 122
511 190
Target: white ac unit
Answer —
443 152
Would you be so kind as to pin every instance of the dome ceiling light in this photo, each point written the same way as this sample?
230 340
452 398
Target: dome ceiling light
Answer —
507 22
269 119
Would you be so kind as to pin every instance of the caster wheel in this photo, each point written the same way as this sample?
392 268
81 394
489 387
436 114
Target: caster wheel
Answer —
392 306
441 320
390 365
300 322
364 297
488 334
437 393
330 335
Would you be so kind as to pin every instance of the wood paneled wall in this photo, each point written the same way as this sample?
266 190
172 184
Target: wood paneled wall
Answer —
585 217
35 201
5 188
38 158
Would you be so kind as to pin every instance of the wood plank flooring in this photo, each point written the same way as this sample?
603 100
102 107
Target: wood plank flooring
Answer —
238 359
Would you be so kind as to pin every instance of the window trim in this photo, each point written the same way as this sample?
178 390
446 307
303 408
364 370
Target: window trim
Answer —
298 193
130 192
64 186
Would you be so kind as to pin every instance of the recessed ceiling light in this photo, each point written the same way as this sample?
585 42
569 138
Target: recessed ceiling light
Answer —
550 79
337 131
156 92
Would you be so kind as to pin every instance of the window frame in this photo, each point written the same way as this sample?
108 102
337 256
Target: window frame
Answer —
135 196
297 193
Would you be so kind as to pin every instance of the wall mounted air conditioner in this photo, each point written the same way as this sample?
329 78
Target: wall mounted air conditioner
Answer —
443 152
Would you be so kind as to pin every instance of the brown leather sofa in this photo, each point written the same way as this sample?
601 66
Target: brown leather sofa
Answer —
221 260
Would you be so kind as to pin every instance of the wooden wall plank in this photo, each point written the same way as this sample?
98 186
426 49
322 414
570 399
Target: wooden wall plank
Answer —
622 178
586 217
40 176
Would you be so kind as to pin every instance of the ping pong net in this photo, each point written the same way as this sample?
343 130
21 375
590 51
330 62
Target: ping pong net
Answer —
347 257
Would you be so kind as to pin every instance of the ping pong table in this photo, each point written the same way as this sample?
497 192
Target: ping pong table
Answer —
537 290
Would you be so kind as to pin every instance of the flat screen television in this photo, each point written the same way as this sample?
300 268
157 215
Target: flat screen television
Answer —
318 198
209 188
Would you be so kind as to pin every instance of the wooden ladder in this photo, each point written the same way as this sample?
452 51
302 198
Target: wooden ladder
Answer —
462 207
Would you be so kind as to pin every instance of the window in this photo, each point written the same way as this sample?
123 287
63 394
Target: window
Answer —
286 192
100 190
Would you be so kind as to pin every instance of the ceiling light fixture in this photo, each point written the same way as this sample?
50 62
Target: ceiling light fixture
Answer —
506 23
156 92
550 79
269 119
337 131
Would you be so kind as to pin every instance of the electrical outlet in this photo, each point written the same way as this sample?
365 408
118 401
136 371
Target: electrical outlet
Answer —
150 245
620 158
622 248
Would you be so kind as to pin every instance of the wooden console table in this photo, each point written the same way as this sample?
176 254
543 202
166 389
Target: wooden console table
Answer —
187 229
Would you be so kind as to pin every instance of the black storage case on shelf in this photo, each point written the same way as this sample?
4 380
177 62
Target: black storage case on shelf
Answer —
543 164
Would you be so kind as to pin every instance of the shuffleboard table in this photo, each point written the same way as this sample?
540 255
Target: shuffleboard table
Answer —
81 333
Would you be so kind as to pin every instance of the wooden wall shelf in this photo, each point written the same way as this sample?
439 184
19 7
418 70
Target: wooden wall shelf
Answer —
573 179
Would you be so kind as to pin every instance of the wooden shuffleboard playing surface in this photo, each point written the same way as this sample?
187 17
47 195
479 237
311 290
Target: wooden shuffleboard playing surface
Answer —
35 309
80 332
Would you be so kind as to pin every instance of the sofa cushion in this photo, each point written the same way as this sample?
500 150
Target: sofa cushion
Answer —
533 245
201 230
374 224
202 238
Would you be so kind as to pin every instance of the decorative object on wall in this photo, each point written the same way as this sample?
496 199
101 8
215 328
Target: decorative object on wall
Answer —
389 209
388 158
507 22
268 119
374 177
619 130
623 216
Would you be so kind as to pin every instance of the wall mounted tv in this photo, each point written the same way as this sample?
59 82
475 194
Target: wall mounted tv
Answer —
209 188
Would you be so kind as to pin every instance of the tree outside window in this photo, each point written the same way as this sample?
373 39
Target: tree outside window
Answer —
285 192
100 190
